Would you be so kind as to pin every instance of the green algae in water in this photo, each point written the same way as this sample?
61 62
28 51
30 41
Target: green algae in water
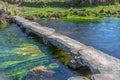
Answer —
3 26
60 55
12 59
53 66
19 54
21 64
8 63
29 49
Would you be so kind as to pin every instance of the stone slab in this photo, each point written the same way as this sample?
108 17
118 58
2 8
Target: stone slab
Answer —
106 77
98 61
36 28
78 78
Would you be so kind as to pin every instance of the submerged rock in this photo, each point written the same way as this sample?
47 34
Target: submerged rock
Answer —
107 76
41 69
78 78
40 73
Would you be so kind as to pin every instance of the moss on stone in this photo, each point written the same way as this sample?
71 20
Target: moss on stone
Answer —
60 55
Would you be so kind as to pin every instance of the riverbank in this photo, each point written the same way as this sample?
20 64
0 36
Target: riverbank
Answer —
45 11
77 15
6 11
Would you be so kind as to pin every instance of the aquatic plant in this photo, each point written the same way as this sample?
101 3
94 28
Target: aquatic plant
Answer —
19 54
60 55
53 66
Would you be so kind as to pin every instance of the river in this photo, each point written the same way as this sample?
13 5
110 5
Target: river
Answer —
104 36
20 53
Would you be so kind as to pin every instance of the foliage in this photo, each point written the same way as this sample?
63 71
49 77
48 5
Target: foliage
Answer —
66 9
83 14
71 2
79 19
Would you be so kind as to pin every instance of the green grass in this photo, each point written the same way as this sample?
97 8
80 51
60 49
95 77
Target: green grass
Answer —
80 19
39 13
82 14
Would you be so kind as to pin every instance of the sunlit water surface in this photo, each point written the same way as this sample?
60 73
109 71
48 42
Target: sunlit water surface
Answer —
104 36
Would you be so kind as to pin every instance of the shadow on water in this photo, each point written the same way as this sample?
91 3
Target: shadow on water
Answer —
19 53
103 35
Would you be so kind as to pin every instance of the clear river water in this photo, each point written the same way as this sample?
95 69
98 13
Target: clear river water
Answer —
20 53
104 36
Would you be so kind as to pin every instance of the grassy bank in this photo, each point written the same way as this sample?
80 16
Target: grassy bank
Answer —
12 8
83 14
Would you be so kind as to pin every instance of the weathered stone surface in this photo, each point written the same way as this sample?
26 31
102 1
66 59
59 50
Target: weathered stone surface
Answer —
106 77
34 27
98 61
78 78
5 10
2 76
3 19
2 11
4 15
65 43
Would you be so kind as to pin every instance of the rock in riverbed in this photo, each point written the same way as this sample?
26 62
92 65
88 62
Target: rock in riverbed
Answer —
3 19
41 69
4 16
78 78
40 73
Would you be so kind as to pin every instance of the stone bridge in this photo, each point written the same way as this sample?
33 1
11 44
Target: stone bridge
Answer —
103 66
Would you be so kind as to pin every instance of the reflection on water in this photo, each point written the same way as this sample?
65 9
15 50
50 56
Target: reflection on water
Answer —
104 36
20 53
